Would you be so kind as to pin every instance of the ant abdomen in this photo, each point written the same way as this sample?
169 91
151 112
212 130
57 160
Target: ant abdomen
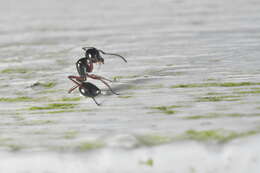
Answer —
89 90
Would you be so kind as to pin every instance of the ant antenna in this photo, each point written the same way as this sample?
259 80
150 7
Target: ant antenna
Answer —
105 53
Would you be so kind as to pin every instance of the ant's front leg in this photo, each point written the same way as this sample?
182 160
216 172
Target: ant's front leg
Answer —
102 80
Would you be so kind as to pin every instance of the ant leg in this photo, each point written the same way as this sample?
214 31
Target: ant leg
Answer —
77 84
95 101
78 78
106 79
73 88
100 78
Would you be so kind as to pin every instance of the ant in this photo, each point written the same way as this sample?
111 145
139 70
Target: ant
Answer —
85 66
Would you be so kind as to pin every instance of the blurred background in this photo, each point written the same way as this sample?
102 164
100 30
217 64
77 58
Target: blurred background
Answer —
189 94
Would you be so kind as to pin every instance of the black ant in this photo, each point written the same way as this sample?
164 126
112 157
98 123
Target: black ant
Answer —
84 67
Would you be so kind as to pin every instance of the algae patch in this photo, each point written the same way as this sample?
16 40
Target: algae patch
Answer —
254 91
116 78
14 147
218 98
148 162
17 99
86 146
14 70
68 99
36 122
44 84
219 135
8 143
68 110
49 91
166 109
216 115
70 134
54 106
151 140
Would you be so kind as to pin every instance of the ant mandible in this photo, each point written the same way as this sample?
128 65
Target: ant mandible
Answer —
84 67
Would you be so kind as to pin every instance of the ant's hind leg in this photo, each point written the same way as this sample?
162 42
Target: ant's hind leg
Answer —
109 87
73 88
72 78
100 78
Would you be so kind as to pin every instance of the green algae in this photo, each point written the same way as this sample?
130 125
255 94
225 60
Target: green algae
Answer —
166 109
71 134
249 92
12 147
10 112
68 110
162 108
68 99
148 162
115 78
44 84
49 91
62 111
14 70
30 99
152 140
58 112
218 98
169 112
214 93
54 106
86 146
4 140
212 135
218 135
227 84
17 99
10 144
195 117
25 99
217 115
211 79
37 122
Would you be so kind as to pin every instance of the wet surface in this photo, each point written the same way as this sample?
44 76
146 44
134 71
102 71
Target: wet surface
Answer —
192 75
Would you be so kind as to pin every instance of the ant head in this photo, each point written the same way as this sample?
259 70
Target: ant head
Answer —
94 55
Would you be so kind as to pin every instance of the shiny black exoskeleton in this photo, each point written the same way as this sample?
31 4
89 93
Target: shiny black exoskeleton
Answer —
85 66
89 90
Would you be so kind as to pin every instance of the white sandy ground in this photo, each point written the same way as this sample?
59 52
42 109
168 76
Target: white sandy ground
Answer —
239 156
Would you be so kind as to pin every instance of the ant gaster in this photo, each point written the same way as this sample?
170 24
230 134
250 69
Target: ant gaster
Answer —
85 66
